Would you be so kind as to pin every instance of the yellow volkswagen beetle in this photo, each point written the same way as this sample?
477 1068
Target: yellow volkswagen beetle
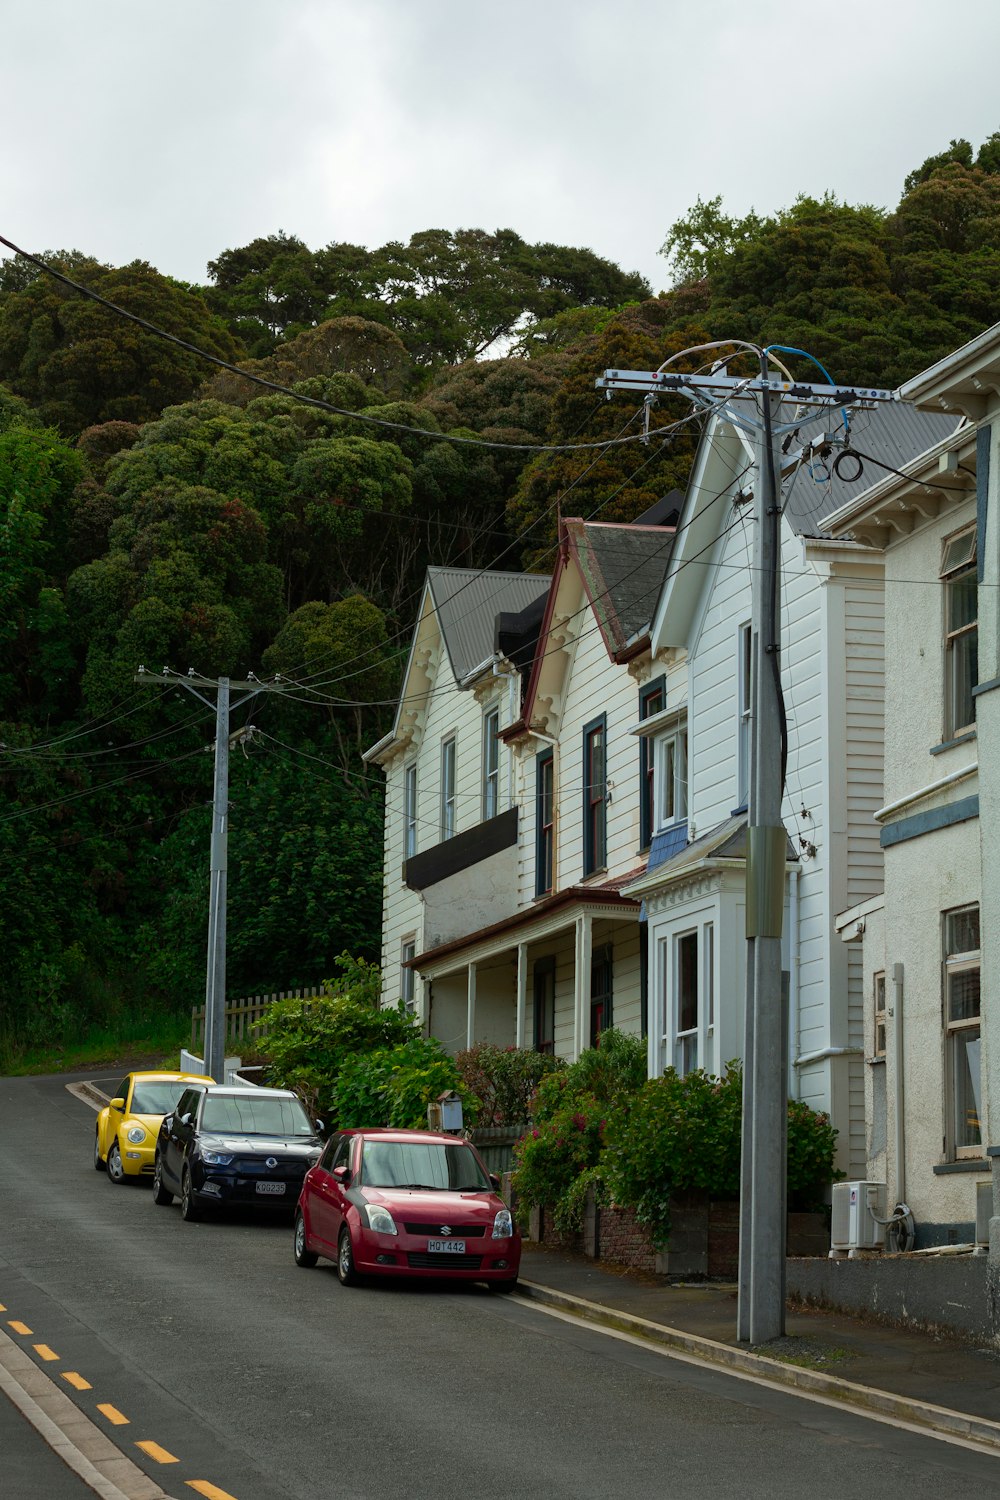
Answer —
125 1137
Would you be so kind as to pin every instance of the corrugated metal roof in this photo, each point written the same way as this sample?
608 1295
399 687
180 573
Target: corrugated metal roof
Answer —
631 562
467 602
892 433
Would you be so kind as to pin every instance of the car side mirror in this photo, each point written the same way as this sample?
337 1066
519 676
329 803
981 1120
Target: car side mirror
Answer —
320 1126
117 1104
185 1119
343 1175
495 1181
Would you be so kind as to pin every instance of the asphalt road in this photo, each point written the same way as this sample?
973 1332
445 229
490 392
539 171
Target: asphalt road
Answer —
269 1381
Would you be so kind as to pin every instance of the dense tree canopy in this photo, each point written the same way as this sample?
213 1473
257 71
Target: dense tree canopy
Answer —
156 510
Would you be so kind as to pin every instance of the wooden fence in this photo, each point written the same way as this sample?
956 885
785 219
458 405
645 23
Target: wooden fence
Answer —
241 1015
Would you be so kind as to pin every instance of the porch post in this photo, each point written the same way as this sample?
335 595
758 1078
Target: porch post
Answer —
581 986
522 993
470 1029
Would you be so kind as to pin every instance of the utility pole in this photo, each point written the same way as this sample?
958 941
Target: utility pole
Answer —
761 1308
215 968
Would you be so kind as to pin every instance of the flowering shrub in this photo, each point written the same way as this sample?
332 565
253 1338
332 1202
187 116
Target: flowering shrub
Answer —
504 1080
550 1158
683 1134
559 1157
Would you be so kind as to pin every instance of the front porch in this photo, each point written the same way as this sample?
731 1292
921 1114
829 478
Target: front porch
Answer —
552 977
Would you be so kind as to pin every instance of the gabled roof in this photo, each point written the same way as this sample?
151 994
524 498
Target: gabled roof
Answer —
467 602
893 434
623 569
461 605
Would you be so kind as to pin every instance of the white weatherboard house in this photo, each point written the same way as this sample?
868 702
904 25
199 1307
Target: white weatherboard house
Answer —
451 821
514 925
929 944
831 670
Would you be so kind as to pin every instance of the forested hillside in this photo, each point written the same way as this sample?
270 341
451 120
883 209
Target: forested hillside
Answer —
158 510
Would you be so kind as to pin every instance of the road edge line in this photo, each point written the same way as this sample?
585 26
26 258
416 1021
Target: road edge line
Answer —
49 1429
941 1419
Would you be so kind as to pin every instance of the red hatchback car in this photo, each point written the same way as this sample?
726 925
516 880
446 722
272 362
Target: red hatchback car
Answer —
406 1203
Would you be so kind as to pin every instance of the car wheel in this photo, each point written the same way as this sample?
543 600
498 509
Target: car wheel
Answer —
346 1273
303 1255
161 1195
116 1170
98 1159
189 1208
504 1286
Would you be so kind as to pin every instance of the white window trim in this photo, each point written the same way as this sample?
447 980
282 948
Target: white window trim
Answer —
744 711
677 736
952 638
491 774
448 799
408 978
410 810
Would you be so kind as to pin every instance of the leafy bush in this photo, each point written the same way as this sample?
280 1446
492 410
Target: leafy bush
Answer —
394 1086
309 1041
553 1155
504 1080
570 1112
683 1134
610 1072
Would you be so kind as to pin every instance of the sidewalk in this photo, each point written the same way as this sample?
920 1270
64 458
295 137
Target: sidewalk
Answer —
941 1383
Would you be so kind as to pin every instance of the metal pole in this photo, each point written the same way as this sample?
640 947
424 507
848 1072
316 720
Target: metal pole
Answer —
762 1219
215 981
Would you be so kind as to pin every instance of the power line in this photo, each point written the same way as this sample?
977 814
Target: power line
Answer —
284 390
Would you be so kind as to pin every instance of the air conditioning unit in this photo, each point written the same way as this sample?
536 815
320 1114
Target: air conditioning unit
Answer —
984 1211
853 1223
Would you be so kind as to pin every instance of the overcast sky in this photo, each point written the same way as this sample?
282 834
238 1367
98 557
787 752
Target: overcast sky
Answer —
171 132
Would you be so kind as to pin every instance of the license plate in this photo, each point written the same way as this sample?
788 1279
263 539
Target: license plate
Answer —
446 1247
271 1187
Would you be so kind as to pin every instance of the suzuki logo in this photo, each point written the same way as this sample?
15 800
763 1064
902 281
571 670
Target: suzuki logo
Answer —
446 1229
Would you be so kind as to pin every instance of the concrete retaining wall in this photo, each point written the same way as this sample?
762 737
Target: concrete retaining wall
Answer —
946 1293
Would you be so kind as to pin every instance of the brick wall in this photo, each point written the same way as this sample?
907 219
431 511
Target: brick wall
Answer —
622 1240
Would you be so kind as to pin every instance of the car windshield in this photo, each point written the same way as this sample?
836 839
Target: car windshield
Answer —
245 1115
415 1164
156 1096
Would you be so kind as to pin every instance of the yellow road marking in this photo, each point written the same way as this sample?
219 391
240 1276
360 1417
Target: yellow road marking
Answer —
18 1327
112 1413
211 1491
160 1454
77 1381
44 1352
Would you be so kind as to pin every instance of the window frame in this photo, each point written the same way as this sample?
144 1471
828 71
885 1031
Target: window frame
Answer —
652 700
407 977
601 992
955 638
491 763
545 830
670 806
410 810
960 1031
543 996
449 776
595 807
686 1041
744 711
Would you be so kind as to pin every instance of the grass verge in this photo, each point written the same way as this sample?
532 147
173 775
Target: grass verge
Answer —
159 1040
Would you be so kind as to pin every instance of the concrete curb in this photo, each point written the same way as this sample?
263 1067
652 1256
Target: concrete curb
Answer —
68 1430
864 1398
88 1094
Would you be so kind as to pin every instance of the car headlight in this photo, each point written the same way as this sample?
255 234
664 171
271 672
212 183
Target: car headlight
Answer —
215 1159
503 1227
380 1219
135 1134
